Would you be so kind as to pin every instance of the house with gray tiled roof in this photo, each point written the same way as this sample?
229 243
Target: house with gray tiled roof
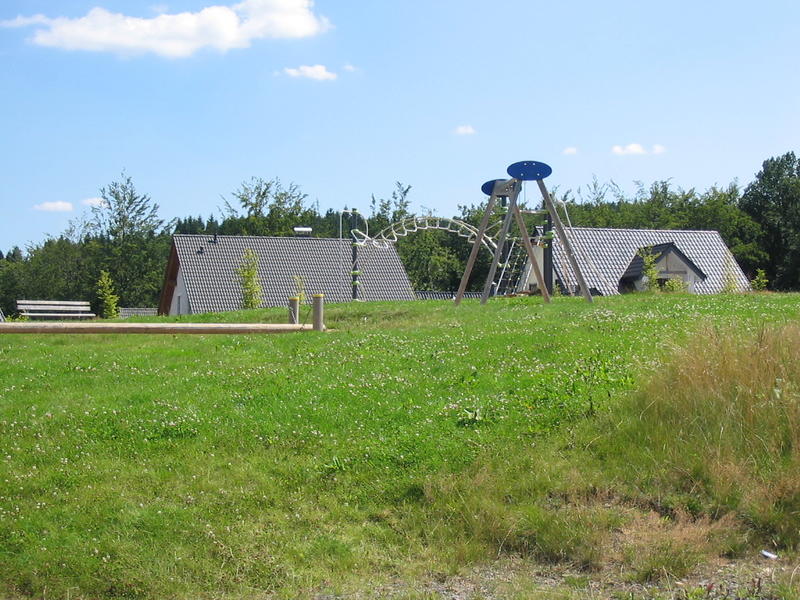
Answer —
611 263
202 275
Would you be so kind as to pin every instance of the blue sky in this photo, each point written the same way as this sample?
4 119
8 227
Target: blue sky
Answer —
191 97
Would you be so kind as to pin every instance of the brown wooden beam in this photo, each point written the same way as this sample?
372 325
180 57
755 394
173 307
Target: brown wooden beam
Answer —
526 240
168 328
473 254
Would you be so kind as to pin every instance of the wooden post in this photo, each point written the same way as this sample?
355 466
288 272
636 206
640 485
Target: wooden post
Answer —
547 258
473 254
498 253
526 240
318 310
294 310
562 236
354 272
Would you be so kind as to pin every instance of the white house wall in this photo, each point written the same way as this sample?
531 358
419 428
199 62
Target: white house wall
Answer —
671 266
180 299
528 280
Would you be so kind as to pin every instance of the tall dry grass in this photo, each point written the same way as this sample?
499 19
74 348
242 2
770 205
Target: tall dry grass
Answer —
720 421
702 461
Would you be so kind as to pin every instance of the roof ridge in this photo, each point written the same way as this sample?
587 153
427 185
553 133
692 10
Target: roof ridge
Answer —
637 229
257 237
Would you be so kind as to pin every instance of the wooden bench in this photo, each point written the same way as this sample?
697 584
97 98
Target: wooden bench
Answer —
54 309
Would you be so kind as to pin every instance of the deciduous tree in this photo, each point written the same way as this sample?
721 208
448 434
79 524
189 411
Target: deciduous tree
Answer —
248 276
773 201
107 300
128 238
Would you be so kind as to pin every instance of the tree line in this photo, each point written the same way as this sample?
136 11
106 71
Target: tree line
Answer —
125 236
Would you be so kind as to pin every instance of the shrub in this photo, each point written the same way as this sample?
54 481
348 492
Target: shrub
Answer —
760 281
675 285
107 299
299 288
248 275
730 285
649 270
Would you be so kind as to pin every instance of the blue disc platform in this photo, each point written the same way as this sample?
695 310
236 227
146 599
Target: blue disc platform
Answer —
529 170
488 187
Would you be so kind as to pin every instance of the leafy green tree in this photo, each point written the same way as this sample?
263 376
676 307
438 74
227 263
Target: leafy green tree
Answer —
649 269
12 274
429 262
254 198
266 208
248 276
385 211
759 282
107 300
192 225
661 207
326 225
773 201
124 212
433 259
719 209
196 225
126 237
58 269
14 255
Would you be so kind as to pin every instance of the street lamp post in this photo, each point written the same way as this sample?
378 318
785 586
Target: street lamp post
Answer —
354 272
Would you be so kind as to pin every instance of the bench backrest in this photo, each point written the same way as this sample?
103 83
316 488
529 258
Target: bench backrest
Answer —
54 308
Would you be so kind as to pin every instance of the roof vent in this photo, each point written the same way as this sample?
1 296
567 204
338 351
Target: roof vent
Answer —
200 250
214 240
302 231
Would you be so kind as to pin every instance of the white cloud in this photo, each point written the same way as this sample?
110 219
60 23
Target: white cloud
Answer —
21 21
317 72
350 68
570 150
93 202
177 35
464 130
58 206
659 149
629 149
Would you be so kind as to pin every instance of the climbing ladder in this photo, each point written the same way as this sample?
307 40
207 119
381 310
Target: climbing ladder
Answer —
512 270
508 190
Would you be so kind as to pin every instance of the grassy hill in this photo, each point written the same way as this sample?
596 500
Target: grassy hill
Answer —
416 438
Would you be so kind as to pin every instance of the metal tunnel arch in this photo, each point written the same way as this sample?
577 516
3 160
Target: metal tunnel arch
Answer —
390 234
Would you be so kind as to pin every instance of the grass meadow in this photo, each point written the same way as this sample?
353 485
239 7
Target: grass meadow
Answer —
654 433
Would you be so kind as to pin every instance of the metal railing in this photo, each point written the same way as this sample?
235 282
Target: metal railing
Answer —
436 295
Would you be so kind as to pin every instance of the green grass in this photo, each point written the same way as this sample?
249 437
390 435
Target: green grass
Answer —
415 437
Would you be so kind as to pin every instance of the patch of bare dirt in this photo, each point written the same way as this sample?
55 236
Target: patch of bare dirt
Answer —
755 578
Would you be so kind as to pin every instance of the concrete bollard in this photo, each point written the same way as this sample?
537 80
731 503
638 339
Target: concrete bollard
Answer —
294 311
318 310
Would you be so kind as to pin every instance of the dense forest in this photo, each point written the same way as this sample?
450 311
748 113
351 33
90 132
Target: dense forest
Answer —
126 236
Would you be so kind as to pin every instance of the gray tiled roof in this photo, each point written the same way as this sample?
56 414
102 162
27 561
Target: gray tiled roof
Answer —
604 255
324 264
